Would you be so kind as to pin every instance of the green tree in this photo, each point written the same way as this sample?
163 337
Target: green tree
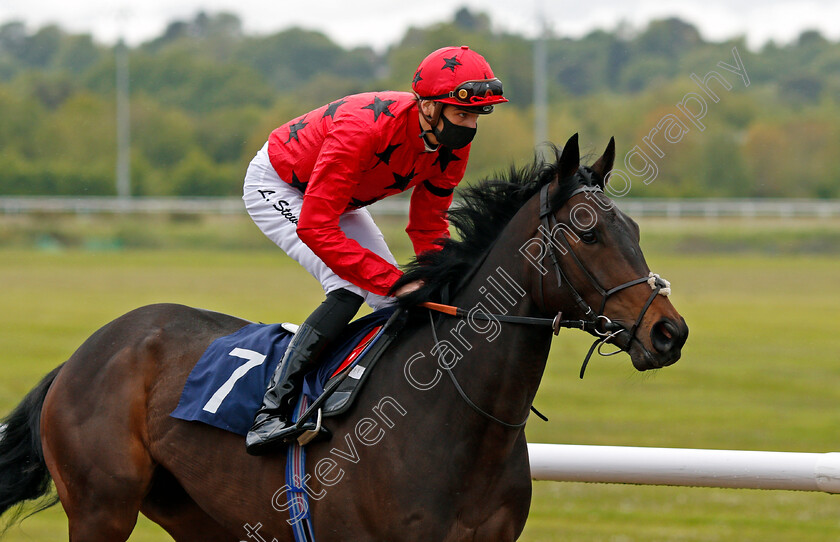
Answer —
163 136
22 118
205 95
198 175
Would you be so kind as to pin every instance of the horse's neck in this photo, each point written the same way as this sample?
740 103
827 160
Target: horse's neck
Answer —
504 362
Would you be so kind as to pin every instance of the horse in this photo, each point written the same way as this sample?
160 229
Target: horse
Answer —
433 448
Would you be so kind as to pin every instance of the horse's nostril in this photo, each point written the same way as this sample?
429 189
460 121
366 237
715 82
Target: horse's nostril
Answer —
663 336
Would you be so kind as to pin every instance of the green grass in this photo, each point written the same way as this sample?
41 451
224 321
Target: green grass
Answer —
760 371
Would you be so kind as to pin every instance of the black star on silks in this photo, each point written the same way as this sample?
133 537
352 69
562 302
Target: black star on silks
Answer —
385 156
297 184
417 77
445 156
333 108
380 107
450 63
401 181
359 203
295 128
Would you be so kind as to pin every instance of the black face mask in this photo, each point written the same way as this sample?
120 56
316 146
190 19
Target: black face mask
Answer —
452 135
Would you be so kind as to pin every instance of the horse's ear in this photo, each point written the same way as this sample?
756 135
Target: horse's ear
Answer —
604 164
570 157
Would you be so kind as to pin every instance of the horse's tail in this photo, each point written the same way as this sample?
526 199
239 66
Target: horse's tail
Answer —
23 471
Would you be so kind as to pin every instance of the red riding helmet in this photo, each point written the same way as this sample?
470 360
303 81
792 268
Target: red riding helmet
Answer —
458 76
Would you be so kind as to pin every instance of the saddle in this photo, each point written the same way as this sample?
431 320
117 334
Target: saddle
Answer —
224 392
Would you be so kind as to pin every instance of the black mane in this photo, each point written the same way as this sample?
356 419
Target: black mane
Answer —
483 211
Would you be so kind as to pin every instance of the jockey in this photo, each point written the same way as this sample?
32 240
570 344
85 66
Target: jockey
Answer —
306 189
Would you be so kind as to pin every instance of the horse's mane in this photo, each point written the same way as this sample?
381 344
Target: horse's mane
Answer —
483 211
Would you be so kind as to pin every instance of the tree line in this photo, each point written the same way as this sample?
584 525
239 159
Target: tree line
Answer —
205 95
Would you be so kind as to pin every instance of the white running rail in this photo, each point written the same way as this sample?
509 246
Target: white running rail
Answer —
686 467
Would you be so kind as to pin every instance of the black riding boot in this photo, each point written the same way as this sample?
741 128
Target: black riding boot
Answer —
272 425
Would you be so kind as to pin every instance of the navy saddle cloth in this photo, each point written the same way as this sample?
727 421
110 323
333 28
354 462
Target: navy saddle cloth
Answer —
225 388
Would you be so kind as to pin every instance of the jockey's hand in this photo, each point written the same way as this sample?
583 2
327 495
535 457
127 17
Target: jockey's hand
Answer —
410 287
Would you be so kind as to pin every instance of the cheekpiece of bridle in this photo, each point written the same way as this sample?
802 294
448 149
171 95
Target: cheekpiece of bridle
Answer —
595 322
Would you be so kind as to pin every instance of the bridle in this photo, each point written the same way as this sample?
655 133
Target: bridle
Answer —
594 322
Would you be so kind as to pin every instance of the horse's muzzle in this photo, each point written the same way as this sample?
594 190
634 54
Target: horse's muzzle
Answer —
667 336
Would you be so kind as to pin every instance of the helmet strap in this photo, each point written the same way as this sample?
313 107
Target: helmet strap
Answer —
433 121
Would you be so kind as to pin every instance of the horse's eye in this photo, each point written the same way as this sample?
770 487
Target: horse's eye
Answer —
589 237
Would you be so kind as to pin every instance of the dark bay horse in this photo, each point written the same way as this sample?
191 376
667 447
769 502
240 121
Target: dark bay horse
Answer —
433 449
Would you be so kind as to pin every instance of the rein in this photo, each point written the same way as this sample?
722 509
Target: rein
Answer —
466 398
556 323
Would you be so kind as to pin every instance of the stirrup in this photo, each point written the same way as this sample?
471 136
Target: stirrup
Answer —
303 433
309 434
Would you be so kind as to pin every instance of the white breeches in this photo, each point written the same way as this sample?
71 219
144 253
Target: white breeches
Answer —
274 206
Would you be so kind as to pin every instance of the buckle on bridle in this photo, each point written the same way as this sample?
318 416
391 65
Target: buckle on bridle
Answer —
556 324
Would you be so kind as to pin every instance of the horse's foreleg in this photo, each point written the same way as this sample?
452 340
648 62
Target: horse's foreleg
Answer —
500 528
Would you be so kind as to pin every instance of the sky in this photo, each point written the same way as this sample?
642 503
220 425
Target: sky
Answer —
379 24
